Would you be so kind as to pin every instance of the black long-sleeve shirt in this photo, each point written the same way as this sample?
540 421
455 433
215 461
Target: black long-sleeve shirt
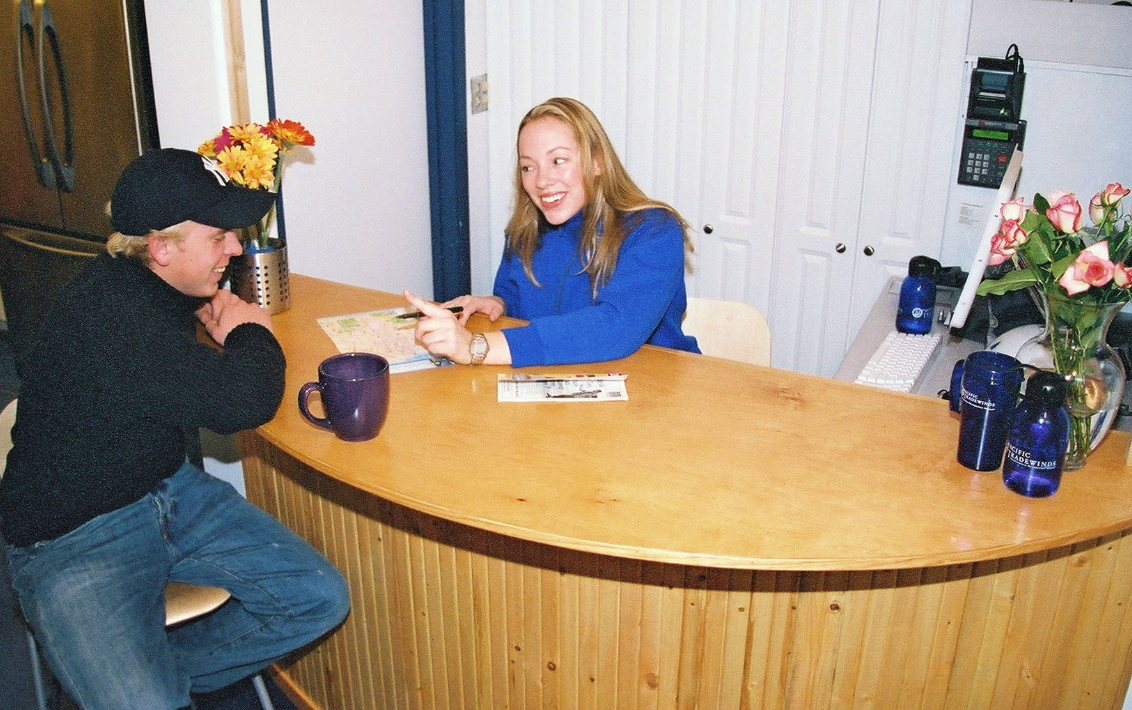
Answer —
114 380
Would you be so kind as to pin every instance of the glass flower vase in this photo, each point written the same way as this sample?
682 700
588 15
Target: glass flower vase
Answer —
1074 345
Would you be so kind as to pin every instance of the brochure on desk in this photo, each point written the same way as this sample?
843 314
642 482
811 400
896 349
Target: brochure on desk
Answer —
382 333
583 387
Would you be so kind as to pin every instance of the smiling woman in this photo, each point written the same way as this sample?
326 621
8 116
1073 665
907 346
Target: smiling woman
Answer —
595 265
549 169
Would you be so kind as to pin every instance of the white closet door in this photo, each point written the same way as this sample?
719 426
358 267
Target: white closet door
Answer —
740 86
829 90
918 103
873 110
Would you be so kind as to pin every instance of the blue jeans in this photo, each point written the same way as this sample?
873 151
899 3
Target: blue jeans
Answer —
94 597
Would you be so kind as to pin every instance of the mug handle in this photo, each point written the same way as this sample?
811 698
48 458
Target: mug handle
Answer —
304 394
955 393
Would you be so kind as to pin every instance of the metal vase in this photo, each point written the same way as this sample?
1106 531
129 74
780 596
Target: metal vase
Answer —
262 277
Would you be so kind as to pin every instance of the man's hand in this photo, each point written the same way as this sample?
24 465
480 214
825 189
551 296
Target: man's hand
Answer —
226 311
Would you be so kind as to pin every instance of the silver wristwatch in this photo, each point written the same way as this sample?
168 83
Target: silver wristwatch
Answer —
477 349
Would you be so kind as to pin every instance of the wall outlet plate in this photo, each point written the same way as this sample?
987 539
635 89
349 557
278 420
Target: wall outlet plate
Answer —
479 93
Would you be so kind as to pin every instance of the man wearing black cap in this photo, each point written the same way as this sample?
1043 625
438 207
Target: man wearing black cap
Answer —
98 504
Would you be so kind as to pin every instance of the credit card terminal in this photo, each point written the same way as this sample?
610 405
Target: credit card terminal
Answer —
993 127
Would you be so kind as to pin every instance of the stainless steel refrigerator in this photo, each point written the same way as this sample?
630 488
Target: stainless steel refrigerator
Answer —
76 108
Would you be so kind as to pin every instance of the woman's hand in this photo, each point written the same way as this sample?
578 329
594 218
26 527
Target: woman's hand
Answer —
439 331
490 306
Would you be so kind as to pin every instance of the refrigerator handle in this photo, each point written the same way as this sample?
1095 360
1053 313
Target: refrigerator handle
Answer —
25 35
64 165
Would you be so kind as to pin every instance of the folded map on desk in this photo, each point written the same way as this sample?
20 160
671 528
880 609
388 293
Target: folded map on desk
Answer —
562 388
382 333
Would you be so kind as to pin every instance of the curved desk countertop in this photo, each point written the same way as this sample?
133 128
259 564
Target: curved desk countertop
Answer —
731 536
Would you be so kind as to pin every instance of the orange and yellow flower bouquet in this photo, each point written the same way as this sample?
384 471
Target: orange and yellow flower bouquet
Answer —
252 155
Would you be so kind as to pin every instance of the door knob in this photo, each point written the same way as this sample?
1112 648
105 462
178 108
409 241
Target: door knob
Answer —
840 248
869 251
708 229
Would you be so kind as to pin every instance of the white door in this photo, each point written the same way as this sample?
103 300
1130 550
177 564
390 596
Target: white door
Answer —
733 194
773 127
918 101
829 86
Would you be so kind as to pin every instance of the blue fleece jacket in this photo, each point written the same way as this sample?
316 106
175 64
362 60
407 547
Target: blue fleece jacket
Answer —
643 302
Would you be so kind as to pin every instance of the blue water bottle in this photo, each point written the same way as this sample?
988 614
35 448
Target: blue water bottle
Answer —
1039 435
916 307
988 397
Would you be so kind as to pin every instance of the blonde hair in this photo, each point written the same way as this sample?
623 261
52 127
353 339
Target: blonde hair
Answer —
138 247
611 195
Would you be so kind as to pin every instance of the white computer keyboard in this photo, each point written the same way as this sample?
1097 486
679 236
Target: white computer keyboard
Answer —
899 360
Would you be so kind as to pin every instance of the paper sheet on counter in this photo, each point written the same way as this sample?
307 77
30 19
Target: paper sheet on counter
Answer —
562 388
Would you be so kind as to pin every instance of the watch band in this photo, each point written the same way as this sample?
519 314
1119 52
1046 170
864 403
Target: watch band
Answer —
477 349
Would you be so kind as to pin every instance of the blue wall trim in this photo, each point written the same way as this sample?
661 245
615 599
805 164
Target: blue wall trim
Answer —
280 223
446 99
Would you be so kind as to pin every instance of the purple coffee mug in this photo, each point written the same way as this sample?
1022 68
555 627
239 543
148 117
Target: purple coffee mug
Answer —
354 388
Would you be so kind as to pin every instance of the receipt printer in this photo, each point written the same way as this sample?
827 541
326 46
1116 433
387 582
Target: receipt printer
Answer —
996 90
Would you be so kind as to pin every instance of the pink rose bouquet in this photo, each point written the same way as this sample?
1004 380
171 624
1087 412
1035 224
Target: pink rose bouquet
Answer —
1052 251
1083 277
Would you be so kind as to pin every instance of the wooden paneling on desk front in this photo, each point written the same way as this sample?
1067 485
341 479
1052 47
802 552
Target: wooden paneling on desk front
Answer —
732 537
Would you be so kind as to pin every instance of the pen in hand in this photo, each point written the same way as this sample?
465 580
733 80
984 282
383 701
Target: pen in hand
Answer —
418 314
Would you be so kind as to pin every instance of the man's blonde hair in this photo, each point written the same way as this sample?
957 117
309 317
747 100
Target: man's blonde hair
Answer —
138 247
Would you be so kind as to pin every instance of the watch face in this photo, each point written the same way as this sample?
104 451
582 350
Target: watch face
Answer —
478 348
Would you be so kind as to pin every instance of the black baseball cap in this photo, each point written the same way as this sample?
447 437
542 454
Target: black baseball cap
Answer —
167 186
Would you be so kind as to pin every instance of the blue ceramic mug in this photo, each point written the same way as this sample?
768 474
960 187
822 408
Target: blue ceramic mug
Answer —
354 388
990 385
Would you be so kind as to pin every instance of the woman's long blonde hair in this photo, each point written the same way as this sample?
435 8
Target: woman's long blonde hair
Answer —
611 195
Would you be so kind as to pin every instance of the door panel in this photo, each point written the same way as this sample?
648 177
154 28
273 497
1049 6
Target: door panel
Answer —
813 305
827 104
22 198
742 119
106 134
917 106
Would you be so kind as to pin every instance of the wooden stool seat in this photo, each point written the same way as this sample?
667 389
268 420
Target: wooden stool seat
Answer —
188 601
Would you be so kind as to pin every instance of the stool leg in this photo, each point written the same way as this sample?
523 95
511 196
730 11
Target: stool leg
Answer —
261 691
36 671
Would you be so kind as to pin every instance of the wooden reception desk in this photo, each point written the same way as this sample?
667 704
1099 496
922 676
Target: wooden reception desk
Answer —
733 536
